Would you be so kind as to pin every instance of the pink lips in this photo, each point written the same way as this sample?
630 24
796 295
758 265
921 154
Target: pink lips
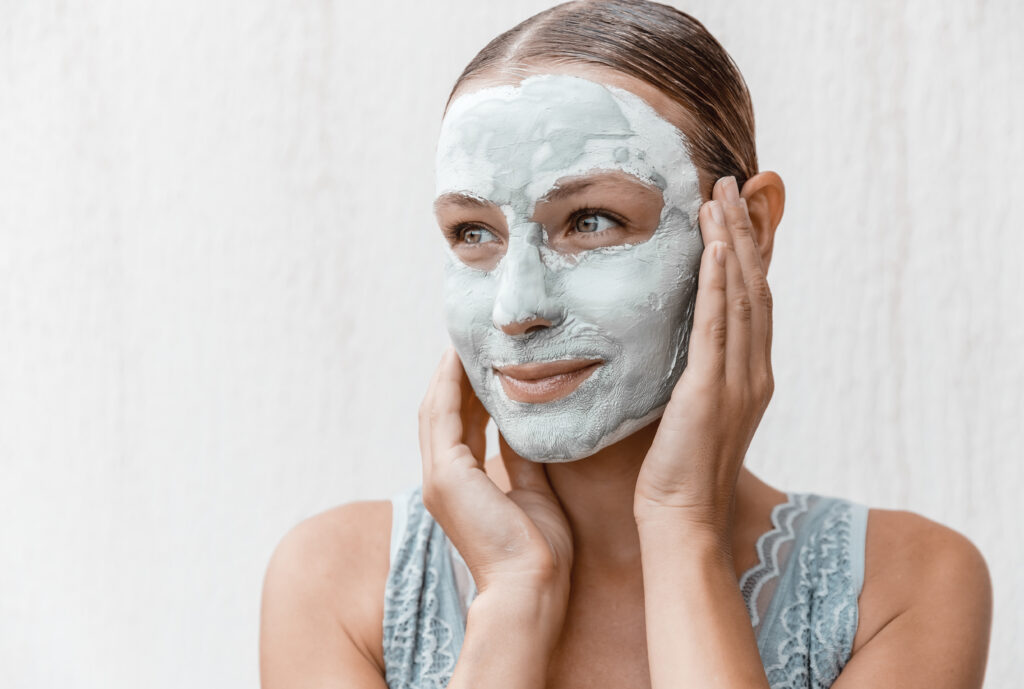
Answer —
545 382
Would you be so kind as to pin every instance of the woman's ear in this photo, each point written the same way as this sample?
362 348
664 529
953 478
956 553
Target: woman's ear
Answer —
766 197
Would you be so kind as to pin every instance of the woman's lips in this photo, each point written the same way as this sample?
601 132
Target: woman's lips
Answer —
544 382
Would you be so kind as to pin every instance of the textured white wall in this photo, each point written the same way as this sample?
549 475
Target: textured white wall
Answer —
219 292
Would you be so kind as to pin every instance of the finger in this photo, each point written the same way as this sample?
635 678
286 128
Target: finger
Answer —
741 230
474 415
739 226
712 223
446 428
737 345
424 420
522 473
706 353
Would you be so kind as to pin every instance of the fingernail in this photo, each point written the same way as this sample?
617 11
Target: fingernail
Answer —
732 192
719 251
716 212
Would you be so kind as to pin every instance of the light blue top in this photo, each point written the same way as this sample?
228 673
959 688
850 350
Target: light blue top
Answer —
803 608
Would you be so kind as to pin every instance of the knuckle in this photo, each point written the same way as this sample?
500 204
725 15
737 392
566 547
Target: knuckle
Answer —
742 227
759 290
742 306
717 332
739 219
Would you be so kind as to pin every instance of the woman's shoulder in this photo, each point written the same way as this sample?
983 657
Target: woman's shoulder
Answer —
327 576
345 541
920 568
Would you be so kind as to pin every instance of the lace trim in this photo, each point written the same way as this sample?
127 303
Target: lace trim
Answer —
819 625
417 641
768 544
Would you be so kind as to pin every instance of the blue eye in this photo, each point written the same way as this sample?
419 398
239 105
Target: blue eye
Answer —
594 222
477 235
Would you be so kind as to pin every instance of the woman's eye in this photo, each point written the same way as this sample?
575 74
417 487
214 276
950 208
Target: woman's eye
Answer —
594 222
476 235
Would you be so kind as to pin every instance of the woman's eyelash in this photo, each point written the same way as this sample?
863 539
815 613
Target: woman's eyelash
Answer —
457 233
575 216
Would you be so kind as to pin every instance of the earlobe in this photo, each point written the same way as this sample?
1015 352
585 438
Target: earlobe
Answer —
766 199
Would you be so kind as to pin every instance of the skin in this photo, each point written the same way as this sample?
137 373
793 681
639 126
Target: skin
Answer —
579 568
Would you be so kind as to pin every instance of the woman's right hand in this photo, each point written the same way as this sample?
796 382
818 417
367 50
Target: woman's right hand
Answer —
517 545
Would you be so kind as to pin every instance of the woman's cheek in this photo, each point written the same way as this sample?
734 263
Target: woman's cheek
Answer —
617 291
469 303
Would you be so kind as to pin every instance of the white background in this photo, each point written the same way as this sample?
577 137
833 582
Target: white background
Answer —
220 292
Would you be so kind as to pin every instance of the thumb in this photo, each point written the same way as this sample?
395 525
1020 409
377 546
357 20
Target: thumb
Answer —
522 473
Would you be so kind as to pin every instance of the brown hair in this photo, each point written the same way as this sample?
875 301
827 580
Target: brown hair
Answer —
654 43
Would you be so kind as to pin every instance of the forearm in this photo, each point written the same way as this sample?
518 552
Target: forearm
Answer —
698 630
508 642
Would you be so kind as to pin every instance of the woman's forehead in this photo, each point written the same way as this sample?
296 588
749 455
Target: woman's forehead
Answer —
508 139
665 106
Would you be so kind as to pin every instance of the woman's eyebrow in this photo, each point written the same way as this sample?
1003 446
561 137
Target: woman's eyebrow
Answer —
564 189
570 187
463 200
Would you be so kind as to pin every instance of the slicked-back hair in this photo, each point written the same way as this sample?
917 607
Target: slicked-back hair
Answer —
656 44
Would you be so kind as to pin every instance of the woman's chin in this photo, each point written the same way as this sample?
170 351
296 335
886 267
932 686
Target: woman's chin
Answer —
553 441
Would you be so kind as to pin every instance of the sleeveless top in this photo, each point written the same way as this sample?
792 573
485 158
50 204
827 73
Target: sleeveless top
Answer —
801 595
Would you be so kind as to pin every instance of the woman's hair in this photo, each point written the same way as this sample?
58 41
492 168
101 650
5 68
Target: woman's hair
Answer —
654 43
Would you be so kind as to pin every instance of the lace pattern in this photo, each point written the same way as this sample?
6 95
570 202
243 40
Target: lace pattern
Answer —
418 634
768 551
806 632
819 623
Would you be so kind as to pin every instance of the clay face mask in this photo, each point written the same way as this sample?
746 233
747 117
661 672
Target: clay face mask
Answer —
625 305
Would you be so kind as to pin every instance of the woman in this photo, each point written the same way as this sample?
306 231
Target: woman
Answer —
609 234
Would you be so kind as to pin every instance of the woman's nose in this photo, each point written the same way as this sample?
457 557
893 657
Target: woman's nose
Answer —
522 305
525 327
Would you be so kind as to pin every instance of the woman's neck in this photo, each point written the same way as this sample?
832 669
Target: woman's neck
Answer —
597 496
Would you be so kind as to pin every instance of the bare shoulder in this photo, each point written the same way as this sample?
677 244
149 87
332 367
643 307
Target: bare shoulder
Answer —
926 604
323 598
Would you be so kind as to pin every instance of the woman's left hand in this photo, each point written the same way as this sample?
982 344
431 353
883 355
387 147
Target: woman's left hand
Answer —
689 475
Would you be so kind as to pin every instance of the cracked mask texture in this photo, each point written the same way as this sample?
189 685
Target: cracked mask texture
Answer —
629 305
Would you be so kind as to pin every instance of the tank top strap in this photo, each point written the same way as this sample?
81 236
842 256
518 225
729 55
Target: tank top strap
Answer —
423 620
806 631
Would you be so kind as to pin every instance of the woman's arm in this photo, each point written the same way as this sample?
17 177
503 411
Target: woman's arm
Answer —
323 597
518 546
930 584
698 629
930 594
322 610
505 645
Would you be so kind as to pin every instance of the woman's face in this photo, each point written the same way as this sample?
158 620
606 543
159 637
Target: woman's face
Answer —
570 210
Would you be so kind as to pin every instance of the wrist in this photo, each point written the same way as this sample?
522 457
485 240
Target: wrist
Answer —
529 617
508 643
700 518
664 531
